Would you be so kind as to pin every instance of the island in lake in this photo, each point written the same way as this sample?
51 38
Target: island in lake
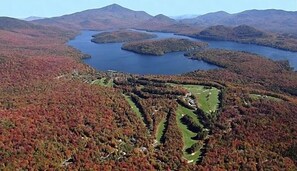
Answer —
121 36
161 47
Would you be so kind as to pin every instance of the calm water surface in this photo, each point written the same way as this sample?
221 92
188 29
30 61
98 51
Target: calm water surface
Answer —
111 57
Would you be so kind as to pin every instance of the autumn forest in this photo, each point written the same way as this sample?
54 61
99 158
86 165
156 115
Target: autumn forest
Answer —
58 113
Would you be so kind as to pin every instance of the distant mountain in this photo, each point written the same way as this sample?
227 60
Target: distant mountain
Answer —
162 18
7 23
216 32
109 17
221 32
268 20
247 32
249 35
32 18
183 17
208 19
157 23
115 17
19 28
158 20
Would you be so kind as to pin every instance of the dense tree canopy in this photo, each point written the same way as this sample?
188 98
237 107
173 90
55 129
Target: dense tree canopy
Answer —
52 118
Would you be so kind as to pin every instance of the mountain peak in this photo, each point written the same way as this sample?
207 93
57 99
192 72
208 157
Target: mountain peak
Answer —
114 8
222 12
163 18
112 16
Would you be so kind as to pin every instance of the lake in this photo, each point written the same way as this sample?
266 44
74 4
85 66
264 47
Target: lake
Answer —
111 57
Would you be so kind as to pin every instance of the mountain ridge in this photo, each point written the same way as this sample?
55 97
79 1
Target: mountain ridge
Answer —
272 20
8 23
33 18
112 16
115 16
250 35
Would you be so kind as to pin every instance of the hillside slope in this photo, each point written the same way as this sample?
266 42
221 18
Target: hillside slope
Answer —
269 20
250 35
7 23
109 17
55 117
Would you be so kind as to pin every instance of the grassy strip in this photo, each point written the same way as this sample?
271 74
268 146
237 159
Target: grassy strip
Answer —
160 130
134 108
110 83
102 82
187 134
259 96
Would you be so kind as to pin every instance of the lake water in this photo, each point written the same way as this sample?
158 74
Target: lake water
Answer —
111 57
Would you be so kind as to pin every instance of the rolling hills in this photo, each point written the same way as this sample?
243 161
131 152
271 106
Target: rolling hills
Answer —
250 35
116 16
268 20
157 22
7 23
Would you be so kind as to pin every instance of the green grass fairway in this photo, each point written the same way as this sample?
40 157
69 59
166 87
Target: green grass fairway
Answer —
259 96
160 130
134 107
208 99
187 134
183 110
101 82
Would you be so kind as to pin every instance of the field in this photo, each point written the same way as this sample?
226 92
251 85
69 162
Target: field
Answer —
207 97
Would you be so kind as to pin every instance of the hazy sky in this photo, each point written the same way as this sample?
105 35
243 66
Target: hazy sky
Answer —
49 8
